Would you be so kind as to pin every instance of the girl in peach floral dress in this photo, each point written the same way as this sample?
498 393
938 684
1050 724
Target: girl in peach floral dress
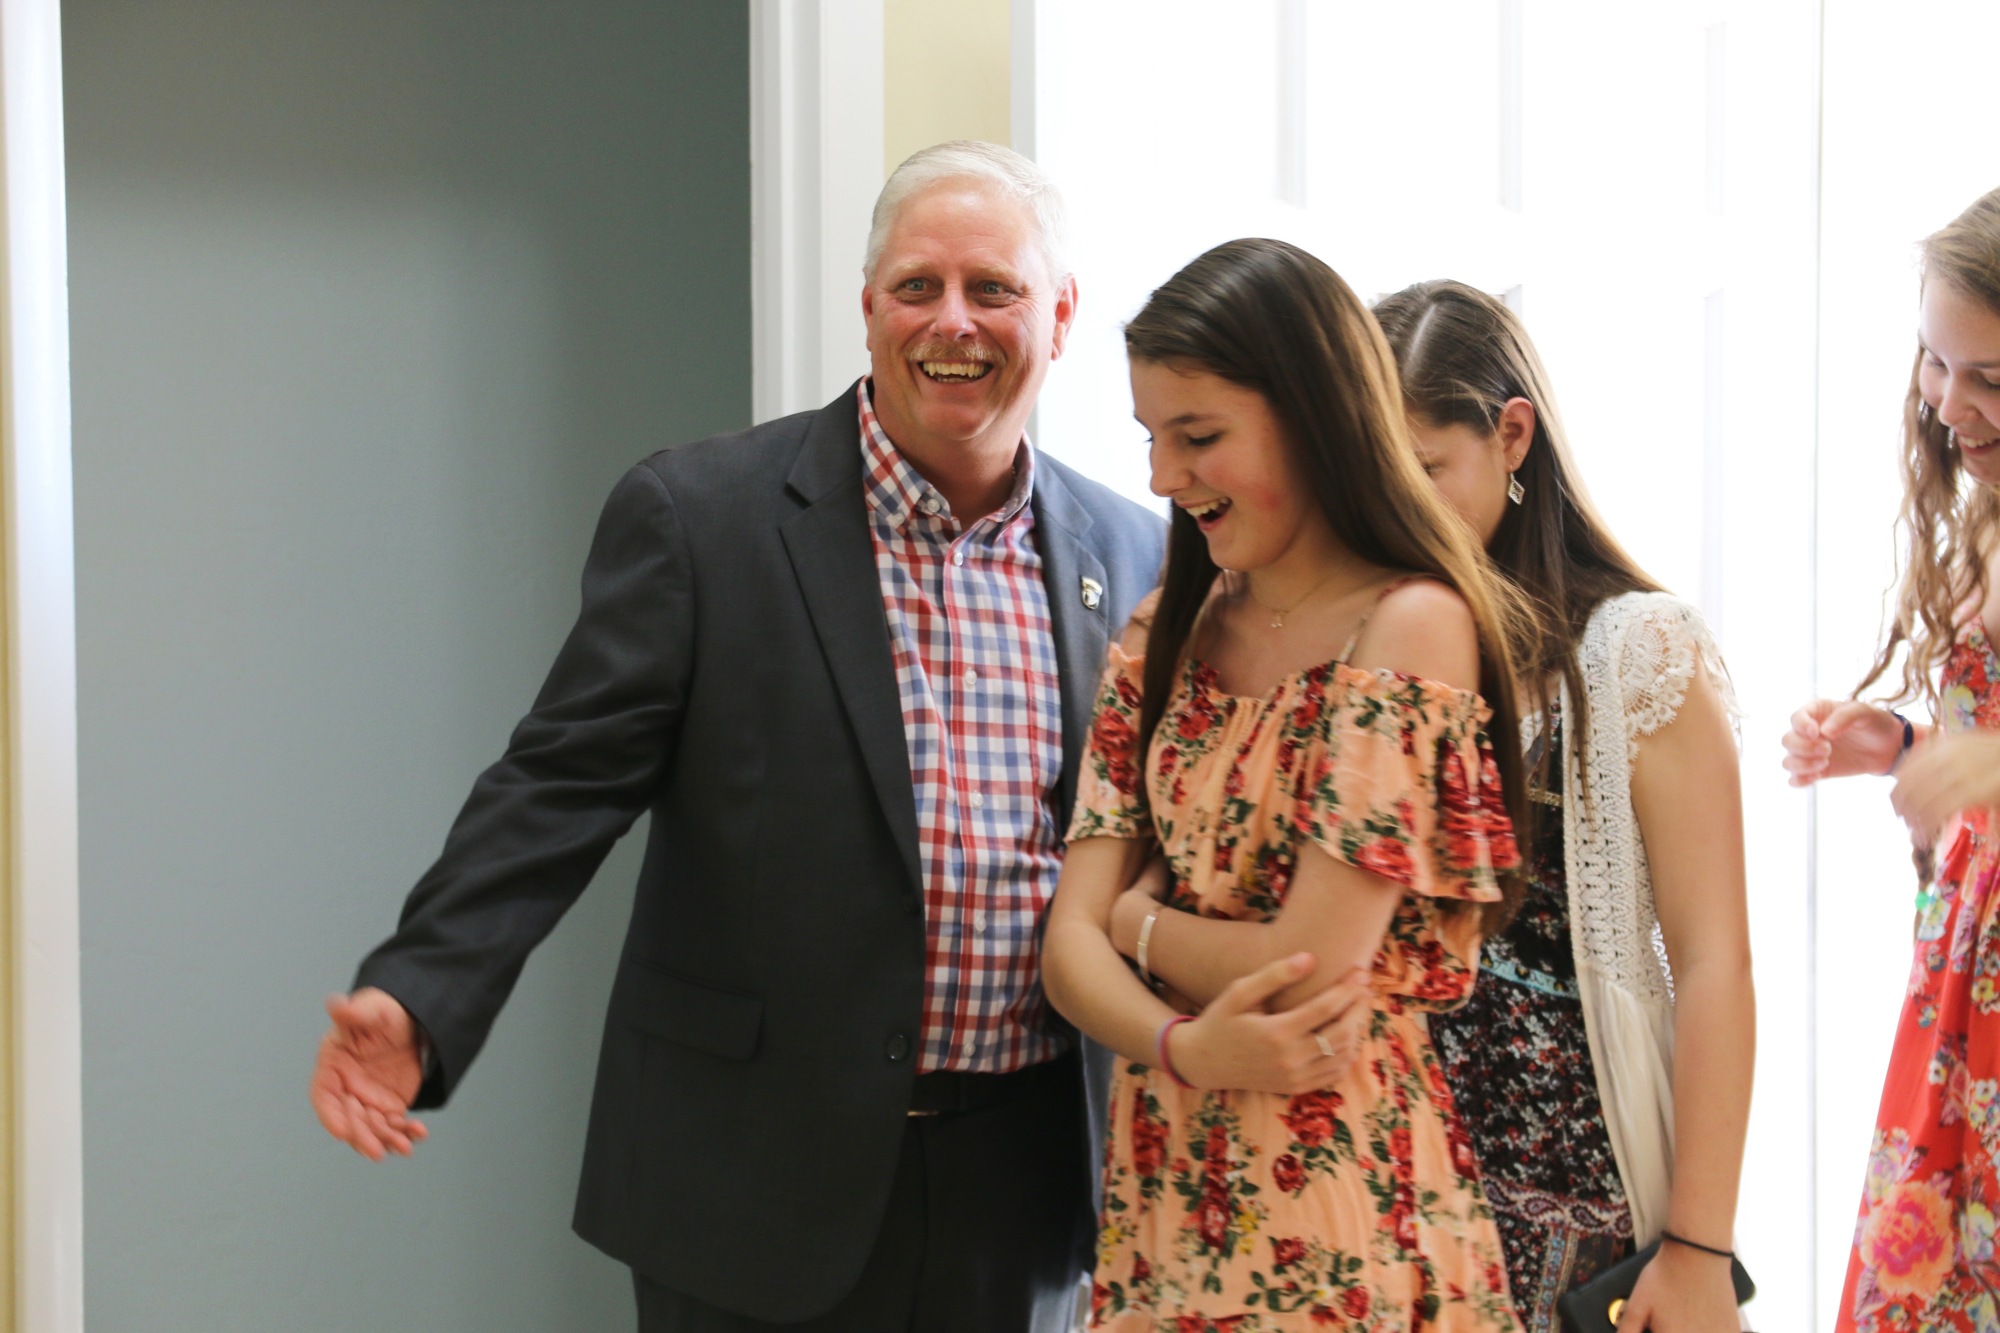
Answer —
1296 723
1926 1242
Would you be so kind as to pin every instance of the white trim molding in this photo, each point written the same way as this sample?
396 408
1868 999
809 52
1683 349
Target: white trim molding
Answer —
816 147
1021 65
1294 91
41 644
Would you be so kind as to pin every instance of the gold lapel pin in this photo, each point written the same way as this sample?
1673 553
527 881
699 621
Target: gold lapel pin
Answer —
1093 593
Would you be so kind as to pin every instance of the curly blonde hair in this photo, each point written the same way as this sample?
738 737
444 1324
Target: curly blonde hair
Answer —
1948 526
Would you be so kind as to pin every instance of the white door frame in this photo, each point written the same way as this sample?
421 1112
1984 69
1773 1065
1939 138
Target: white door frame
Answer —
41 675
816 136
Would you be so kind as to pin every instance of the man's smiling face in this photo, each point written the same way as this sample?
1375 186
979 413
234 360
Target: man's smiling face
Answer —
963 320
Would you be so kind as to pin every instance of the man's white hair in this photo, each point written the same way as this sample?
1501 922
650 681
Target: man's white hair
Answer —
999 169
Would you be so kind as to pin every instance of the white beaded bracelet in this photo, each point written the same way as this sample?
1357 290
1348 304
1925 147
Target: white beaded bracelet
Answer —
1145 938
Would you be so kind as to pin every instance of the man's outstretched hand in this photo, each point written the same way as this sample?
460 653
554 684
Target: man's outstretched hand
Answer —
368 1073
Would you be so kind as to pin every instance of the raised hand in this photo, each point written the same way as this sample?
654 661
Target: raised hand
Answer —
1832 738
1949 774
1238 1043
368 1073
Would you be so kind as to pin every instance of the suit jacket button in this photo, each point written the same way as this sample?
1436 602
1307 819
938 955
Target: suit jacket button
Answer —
899 1047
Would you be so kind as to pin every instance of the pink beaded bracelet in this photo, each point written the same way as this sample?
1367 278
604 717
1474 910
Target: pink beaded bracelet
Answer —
1166 1061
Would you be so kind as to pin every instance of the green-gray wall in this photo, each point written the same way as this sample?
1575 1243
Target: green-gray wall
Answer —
371 304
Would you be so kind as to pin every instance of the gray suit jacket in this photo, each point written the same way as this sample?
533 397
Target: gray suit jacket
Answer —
730 671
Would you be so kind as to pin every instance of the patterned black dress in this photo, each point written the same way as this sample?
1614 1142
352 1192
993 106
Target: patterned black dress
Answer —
1520 1068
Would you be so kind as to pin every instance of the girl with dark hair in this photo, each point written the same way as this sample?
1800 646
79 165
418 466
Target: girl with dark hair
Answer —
1296 723
1606 1096
1925 1254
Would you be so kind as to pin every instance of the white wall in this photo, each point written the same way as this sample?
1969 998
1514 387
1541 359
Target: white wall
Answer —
1905 149
1640 182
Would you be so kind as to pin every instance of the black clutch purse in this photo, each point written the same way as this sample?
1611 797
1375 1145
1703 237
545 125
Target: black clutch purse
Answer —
1595 1306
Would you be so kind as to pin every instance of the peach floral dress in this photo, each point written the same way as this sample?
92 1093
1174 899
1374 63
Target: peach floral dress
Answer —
1354 1207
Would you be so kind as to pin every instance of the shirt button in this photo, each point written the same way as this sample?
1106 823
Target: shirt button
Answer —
971 1044
979 923
958 557
978 801
899 1047
971 679
930 504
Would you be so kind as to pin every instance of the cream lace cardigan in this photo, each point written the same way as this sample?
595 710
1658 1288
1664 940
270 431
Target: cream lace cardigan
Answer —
1638 655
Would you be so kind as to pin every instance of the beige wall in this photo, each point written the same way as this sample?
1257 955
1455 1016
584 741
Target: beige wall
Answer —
945 75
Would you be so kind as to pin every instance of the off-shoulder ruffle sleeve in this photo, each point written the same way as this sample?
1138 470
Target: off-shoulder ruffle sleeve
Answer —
1110 794
1400 780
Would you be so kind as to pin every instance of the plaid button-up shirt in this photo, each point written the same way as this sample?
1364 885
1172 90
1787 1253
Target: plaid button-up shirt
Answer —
975 657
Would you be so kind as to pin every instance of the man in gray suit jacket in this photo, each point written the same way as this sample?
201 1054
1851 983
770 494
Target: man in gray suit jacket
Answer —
847 661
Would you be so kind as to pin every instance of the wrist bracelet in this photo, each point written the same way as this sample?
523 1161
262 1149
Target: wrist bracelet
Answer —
1145 938
1909 739
1166 1061
1697 1245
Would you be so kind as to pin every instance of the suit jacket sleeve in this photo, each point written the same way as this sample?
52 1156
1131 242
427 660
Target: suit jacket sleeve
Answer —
577 772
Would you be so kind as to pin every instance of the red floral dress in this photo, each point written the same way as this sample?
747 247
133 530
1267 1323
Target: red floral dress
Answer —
1355 1207
1924 1246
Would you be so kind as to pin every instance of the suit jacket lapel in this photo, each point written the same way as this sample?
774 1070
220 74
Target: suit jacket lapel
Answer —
1081 630
834 561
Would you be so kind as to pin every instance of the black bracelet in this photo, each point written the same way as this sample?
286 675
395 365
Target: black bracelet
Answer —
1909 739
1697 1245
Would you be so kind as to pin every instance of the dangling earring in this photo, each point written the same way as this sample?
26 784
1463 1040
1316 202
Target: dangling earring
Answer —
1515 492
1923 415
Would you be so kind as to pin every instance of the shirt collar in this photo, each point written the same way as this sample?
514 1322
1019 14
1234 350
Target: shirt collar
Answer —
897 492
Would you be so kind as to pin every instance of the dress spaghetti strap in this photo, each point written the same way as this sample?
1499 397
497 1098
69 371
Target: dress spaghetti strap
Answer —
1368 615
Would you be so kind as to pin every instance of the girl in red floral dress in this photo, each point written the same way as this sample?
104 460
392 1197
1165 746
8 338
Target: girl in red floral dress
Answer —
1296 723
1924 1253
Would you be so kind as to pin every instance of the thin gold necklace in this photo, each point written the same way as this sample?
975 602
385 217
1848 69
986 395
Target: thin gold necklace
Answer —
1278 614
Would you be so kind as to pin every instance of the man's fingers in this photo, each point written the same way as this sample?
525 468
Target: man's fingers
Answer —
360 1136
389 1135
328 1105
1253 991
371 1014
353 1027
356 1011
373 1094
371 1132
359 1077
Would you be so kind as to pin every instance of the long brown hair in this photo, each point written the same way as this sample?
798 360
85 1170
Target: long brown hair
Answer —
1271 317
1948 528
1463 355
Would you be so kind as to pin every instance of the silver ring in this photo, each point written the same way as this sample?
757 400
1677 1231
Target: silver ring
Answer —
1325 1047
